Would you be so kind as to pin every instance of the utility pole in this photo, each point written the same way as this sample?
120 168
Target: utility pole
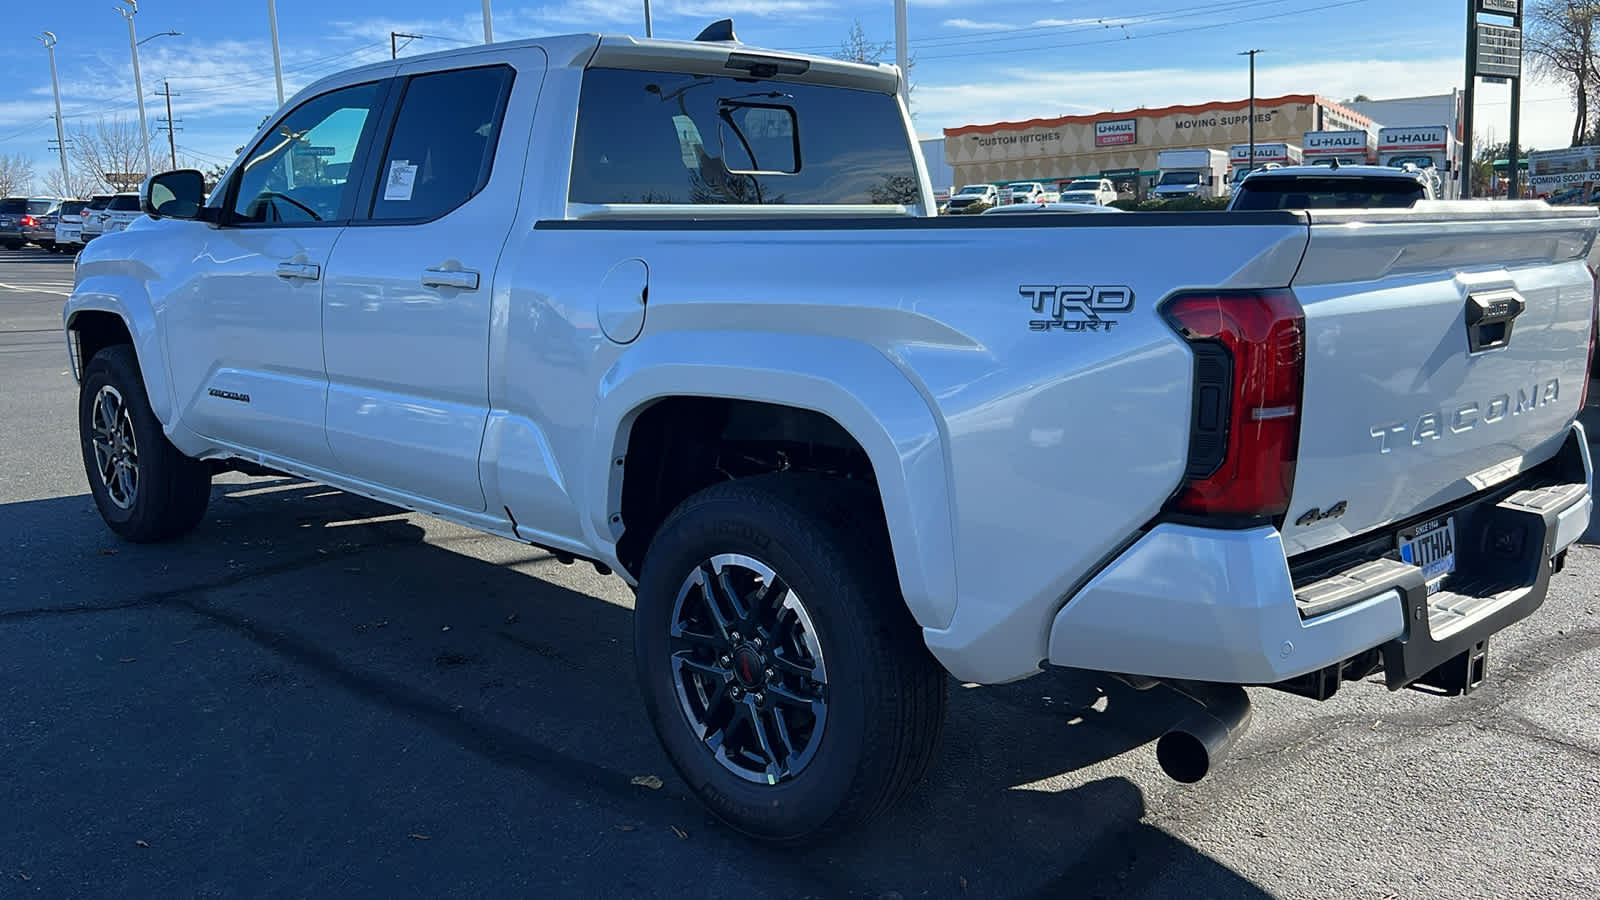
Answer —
902 56
648 31
488 24
277 58
1250 167
394 49
172 124
49 40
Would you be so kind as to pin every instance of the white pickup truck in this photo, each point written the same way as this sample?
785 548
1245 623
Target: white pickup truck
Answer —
683 310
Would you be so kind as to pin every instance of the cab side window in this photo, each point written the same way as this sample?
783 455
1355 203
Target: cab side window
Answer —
441 150
299 173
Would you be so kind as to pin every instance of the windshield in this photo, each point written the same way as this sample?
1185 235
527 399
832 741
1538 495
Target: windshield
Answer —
1342 160
1180 178
1084 186
1420 160
975 189
1330 192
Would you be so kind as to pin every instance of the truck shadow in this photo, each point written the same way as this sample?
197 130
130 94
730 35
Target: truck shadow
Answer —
375 612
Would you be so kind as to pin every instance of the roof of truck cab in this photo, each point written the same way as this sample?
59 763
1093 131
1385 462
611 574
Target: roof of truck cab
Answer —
597 49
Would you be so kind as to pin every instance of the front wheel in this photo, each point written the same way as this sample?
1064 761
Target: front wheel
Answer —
145 488
783 674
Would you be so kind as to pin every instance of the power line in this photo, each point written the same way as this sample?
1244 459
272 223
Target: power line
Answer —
1084 23
1153 34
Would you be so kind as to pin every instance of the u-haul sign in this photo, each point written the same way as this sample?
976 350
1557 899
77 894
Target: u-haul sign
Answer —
1330 143
1430 137
1116 132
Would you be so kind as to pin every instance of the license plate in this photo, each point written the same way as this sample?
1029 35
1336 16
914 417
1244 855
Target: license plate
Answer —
1432 547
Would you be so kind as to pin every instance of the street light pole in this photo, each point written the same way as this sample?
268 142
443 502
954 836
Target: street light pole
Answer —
138 84
277 58
1250 167
49 40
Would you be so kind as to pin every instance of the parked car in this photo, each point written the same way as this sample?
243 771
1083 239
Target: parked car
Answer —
41 230
19 220
974 198
1338 187
1050 208
94 217
120 212
847 452
69 225
1099 191
1025 192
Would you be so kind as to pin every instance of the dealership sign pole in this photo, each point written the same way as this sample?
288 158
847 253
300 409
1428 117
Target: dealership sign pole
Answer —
1494 52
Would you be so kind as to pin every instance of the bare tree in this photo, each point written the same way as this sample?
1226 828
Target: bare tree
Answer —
77 185
16 174
110 153
1559 39
857 47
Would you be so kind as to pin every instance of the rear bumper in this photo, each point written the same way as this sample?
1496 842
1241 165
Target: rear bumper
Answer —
1226 606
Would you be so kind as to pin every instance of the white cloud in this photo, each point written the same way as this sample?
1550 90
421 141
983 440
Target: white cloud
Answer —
1015 94
970 25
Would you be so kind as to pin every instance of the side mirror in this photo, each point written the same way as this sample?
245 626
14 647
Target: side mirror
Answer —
176 195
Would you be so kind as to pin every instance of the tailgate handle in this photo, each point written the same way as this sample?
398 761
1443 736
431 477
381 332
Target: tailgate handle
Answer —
1490 316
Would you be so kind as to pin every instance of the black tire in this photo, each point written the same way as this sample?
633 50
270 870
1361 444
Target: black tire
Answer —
884 696
168 492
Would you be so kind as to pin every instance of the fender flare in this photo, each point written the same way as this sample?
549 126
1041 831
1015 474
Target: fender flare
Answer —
108 294
852 383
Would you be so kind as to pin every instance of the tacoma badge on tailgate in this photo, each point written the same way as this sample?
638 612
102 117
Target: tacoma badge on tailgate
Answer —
1077 307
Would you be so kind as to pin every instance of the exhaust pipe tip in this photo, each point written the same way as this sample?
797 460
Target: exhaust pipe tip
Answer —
1200 741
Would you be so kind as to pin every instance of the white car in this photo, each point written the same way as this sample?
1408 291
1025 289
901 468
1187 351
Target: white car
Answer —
847 451
91 221
973 198
120 212
1099 191
69 225
1025 192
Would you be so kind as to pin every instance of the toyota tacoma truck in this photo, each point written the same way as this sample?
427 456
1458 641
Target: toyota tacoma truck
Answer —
628 300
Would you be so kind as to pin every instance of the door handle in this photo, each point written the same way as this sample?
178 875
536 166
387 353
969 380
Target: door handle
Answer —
305 271
464 279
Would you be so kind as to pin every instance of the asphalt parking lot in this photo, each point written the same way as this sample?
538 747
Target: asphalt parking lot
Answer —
317 695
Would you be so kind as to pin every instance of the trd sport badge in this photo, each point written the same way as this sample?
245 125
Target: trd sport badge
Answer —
1077 307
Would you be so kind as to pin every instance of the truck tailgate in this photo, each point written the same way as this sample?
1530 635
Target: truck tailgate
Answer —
1445 352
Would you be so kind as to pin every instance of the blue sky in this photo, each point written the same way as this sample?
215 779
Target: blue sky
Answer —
977 60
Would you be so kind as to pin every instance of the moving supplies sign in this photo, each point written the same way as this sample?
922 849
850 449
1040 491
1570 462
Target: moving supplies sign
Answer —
1116 132
1560 168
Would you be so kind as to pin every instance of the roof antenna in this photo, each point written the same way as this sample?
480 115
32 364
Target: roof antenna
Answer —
719 31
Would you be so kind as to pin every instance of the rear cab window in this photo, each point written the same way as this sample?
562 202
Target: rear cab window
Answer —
441 150
670 138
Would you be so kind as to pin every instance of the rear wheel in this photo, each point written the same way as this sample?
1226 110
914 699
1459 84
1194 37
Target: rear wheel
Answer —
788 683
146 490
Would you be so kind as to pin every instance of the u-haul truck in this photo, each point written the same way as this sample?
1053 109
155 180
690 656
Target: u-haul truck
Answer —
1275 152
1350 148
1431 148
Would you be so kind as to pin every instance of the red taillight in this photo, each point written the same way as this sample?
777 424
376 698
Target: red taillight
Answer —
29 222
1249 373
